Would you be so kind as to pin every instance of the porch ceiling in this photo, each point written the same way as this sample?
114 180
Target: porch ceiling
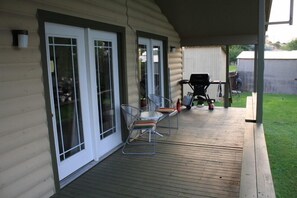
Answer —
213 22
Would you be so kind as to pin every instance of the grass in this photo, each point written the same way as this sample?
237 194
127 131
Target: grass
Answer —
238 100
232 68
280 125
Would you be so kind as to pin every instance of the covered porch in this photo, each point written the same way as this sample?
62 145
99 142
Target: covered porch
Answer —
203 158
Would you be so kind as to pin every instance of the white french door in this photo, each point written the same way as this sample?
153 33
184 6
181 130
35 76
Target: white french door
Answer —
68 90
105 90
83 86
151 75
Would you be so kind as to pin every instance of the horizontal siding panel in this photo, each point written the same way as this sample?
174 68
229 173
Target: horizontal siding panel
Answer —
175 60
48 193
104 11
175 70
15 89
28 9
20 138
17 171
43 189
131 56
154 19
147 5
17 21
174 83
175 66
175 78
105 7
137 23
175 74
15 55
28 182
175 41
14 72
5 38
145 17
150 14
22 121
176 94
175 91
176 54
23 153
19 105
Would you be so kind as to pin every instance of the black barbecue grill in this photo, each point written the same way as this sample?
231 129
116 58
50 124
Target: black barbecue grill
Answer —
199 84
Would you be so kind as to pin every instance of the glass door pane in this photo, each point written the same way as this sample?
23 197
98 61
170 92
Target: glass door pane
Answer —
157 70
142 75
66 93
150 68
105 90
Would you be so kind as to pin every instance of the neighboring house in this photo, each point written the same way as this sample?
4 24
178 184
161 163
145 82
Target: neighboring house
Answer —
280 71
211 60
61 96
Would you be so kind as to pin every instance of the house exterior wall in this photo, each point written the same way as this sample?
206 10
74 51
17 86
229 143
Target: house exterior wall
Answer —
25 157
279 75
211 60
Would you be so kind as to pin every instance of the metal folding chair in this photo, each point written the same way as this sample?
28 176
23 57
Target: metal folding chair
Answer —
138 127
165 106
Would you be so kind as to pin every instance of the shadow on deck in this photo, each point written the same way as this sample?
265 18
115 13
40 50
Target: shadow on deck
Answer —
203 158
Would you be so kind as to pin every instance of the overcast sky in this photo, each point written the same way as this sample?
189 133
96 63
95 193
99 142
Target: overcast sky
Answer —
280 12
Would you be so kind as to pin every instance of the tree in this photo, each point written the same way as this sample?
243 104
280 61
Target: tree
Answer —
292 45
235 50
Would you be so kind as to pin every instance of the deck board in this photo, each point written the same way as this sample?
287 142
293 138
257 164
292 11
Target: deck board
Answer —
251 104
203 158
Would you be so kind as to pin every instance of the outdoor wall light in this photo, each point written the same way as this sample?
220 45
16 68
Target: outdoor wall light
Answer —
172 48
20 38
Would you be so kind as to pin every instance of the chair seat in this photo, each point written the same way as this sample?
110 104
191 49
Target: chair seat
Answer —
166 110
144 124
170 111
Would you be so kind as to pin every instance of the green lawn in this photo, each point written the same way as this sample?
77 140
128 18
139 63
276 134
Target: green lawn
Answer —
232 68
238 100
280 125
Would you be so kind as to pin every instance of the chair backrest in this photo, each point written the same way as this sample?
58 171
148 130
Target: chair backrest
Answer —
156 101
130 114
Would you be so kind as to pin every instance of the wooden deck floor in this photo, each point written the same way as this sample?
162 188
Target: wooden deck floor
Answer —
200 159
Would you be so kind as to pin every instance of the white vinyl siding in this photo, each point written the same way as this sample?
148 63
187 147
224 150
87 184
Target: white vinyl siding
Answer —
25 159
